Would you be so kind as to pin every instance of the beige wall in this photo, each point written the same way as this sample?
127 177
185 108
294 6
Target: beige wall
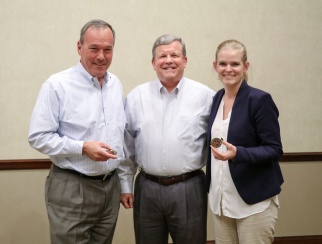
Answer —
283 38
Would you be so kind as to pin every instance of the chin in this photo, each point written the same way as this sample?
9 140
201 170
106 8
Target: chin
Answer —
231 83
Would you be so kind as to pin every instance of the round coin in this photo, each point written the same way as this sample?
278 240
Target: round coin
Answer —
111 151
215 142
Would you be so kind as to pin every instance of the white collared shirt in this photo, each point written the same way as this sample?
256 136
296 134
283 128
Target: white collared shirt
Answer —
223 196
72 108
165 132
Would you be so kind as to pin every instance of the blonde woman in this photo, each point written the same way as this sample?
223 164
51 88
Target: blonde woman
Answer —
243 173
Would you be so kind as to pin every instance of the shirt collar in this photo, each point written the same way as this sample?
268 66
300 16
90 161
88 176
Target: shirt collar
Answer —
176 89
88 76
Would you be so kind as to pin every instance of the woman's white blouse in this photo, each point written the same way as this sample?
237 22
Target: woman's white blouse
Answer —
223 196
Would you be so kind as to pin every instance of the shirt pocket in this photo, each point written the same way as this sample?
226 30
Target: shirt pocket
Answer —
187 127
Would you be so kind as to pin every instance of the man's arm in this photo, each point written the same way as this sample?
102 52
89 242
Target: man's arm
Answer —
127 170
44 133
44 123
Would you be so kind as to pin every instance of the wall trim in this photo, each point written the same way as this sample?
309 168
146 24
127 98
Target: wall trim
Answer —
15 164
301 157
292 240
25 164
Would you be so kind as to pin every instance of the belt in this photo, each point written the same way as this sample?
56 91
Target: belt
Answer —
94 177
170 180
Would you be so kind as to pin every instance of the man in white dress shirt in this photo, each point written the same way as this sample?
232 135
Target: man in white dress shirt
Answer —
79 121
165 137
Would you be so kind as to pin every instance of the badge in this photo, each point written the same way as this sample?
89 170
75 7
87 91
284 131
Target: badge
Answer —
215 142
111 151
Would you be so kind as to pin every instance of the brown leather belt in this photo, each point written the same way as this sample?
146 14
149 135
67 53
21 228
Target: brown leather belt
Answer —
170 180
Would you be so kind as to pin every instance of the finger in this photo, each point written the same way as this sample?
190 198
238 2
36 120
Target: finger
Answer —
224 142
215 155
111 154
213 152
109 150
104 145
227 144
107 154
213 149
125 205
131 202
123 200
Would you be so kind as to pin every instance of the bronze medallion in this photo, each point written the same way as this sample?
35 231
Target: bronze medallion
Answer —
216 142
111 151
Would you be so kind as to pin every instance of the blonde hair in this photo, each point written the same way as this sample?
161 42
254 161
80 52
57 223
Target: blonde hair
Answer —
234 45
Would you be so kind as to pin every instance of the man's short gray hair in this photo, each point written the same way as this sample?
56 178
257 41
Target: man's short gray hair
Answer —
96 23
167 39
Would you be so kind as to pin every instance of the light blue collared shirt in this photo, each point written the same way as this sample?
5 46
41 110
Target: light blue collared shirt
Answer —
165 132
72 108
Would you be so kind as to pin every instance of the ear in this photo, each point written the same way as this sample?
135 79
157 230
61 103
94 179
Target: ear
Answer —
79 47
246 66
153 63
185 60
215 65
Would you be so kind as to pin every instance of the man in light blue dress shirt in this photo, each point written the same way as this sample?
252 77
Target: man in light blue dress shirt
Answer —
165 137
79 121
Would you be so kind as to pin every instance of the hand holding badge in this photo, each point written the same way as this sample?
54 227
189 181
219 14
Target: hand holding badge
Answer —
222 155
111 151
216 143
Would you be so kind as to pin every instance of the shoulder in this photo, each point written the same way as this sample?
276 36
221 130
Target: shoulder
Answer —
59 80
142 92
257 99
144 88
70 74
195 94
114 81
197 86
113 77
62 74
253 93
257 92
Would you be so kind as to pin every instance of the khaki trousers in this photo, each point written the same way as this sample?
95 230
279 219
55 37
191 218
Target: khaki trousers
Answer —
255 229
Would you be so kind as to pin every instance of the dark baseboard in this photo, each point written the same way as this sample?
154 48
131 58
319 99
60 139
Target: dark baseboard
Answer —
293 240
298 240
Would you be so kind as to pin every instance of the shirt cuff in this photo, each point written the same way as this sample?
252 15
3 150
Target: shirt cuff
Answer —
126 187
77 147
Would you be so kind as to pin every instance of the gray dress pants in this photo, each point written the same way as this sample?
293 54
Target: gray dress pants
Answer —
81 210
179 210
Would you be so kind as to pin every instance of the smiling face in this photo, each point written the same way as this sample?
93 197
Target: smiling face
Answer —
96 51
169 64
230 66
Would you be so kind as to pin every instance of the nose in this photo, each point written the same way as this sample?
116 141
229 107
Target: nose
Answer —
100 55
228 67
168 59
